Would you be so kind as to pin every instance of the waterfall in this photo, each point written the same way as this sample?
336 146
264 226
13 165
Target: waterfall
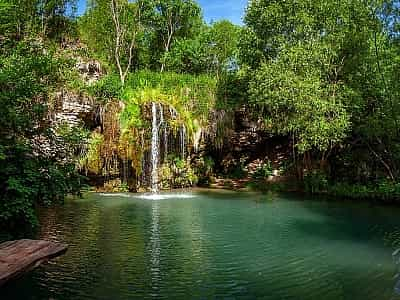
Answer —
165 143
155 149
125 170
161 114
183 140
165 134
182 132
197 136
162 142
172 112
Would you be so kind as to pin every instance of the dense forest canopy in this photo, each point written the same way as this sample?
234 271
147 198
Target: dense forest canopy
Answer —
321 76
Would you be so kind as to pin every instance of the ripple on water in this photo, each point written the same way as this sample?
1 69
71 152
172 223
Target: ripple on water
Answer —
215 246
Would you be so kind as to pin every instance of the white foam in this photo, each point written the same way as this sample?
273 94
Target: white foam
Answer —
161 196
116 195
151 196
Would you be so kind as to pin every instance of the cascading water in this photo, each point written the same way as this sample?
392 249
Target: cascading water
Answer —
163 142
183 141
155 149
161 113
165 132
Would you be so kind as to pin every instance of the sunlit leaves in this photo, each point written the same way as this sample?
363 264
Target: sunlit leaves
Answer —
297 101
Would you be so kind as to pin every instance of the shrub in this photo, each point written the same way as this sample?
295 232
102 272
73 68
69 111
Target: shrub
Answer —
315 182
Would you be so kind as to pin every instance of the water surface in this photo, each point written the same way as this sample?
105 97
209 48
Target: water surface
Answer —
216 245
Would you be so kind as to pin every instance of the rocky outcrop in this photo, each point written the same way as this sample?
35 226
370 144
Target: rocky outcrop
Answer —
90 71
248 150
72 108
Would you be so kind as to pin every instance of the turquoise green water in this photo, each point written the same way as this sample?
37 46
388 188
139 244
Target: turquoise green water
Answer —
216 245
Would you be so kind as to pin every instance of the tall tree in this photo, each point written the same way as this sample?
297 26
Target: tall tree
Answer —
224 39
320 71
212 50
22 18
171 20
113 29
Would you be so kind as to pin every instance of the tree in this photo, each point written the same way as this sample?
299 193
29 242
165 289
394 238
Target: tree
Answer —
297 100
212 50
23 18
113 27
122 19
30 173
224 44
191 55
320 71
171 20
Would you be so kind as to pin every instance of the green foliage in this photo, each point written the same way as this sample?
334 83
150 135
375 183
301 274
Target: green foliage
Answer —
315 182
107 88
177 173
194 93
144 32
91 161
267 187
190 56
322 73
191 96
29 18
237 171
264 171
7 18
29 176
206 165
224 45
212 50
131 116
352 191
383 190
232 90
113 30
116 186
204 170
297 101
168 21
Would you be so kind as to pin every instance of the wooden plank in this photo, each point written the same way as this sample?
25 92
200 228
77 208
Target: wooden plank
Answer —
19 257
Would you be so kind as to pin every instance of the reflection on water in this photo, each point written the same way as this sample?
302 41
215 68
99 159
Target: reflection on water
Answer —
216 245
155 246
396 258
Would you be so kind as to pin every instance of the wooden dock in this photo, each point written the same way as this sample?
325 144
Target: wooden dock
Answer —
19 257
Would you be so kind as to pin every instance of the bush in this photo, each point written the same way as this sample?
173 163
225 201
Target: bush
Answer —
382 190
315 182
177 173
264 171
31 174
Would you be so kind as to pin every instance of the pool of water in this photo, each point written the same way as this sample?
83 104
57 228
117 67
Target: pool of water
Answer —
216 245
